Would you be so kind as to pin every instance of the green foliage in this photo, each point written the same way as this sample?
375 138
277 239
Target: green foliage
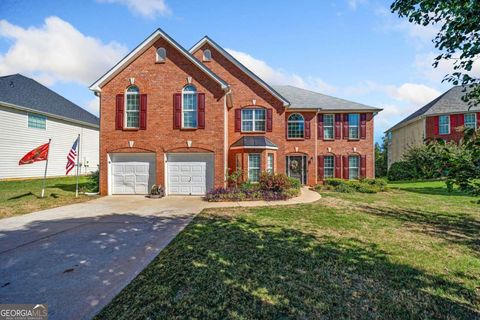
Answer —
458 38
462 163
234 177
420 162
401 170
278 182
93 181
349 186
381 158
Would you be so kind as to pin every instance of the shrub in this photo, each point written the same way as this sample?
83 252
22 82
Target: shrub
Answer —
401 170
92 184
277 182
348 186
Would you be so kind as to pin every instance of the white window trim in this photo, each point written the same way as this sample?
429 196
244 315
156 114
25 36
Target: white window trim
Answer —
440 126
160 58
205 58
332 126
332 167
474 119
295 121
196 109
36 114
270 165
125 108
350 168
259 165
254 129
354 126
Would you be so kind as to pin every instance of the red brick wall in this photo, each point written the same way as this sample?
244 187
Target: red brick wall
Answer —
455 130
159 81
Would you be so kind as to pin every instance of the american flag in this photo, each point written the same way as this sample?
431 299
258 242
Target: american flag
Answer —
71 157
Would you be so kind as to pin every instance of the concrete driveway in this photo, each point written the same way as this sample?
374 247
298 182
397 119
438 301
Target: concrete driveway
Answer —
76 258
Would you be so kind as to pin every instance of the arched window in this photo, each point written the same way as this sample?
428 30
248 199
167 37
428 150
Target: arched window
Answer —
189 107
207 55
295 126
132 110
161 54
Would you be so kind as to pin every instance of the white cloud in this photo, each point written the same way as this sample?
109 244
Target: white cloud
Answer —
353 4
93 106
146 8
279 76
56 51
415 94
423 64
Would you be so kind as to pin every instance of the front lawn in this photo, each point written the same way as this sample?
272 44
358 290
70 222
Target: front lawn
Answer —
23 196
412 252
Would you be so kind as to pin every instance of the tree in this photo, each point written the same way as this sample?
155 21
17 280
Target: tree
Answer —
458 39
381 160
462 163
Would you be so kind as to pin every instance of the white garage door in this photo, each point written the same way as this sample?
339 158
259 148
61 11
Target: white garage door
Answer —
130 177
188 178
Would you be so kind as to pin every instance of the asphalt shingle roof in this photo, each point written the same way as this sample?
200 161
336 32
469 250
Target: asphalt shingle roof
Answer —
449 102
306 99
254 141
24 92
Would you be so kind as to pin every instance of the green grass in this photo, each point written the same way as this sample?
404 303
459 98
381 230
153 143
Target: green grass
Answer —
410 253
23 196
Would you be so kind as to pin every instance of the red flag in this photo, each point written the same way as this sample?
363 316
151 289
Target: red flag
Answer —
38 154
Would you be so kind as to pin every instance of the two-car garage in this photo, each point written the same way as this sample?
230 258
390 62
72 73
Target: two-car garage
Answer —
186 173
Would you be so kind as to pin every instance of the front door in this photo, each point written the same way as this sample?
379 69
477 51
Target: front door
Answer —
297 168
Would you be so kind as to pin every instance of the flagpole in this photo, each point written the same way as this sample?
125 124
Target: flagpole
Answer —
46 166
78 162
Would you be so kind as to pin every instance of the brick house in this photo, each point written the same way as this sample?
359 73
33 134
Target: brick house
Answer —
441 118
182 119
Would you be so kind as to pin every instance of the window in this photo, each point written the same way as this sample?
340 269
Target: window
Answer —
353 125
295 126
161 54
189 107
444 124
470 120
133 107
207 55
328 122
253 120
253 167
270 161
328 166
37 121
353 167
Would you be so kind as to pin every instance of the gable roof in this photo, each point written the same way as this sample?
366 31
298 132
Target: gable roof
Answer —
238 64
157 34
448 102
20 92
306 99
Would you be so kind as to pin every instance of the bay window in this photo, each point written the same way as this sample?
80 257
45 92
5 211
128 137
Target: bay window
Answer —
253 167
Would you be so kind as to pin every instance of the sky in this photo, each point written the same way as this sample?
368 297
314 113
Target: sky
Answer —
352 49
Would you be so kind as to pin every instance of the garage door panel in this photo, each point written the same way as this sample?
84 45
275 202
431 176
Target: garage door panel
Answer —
186 178
131 177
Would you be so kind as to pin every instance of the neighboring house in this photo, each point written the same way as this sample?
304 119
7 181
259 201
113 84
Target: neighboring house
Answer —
31 114
182 119
441 118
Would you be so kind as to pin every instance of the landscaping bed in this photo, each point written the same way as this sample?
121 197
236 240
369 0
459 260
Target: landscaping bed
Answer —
271 187
348 186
